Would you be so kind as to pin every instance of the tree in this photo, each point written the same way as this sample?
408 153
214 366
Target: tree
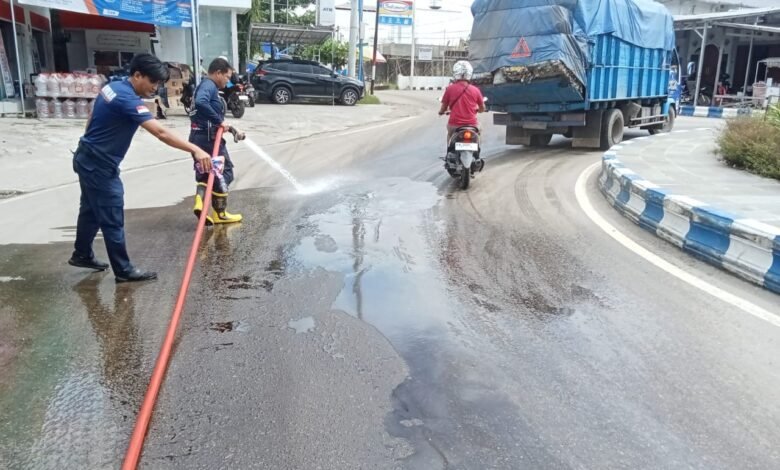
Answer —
260 12
329 52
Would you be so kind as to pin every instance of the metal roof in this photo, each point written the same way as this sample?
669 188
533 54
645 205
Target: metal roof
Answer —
745 13
772 62
289 33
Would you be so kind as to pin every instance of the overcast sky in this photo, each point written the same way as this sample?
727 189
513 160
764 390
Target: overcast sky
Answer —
450 23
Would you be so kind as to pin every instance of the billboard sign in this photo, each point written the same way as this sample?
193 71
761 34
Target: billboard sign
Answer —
396 12
172 13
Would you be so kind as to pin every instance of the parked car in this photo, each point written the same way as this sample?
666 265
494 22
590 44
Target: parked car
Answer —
282 81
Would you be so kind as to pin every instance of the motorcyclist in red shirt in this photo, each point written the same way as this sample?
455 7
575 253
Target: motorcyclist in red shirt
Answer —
463 100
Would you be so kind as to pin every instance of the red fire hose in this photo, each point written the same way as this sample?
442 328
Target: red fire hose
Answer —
145 415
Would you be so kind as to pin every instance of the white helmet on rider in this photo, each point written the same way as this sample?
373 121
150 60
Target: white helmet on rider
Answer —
462 70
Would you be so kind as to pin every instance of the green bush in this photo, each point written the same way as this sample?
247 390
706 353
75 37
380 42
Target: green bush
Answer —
753 144
370 99
773 115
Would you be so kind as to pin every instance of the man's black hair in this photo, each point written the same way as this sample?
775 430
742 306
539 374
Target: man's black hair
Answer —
149 66
219 65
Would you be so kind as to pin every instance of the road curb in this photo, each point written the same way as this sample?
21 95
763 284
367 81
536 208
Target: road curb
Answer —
745 247
714 112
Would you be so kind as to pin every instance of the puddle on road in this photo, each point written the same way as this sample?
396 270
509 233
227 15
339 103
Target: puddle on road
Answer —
378 236
303 325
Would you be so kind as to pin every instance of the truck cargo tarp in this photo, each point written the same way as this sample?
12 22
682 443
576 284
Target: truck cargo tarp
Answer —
509 33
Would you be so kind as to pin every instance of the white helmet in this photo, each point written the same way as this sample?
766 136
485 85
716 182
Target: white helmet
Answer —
462 70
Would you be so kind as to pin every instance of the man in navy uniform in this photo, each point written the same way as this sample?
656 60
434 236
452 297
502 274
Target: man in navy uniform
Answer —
117 113
209 115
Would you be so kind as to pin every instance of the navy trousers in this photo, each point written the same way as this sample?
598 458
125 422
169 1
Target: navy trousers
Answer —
101 208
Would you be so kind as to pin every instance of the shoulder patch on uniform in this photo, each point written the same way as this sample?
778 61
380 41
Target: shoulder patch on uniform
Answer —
142 109
108 93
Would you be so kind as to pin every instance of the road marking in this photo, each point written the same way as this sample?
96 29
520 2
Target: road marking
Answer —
371 128
744 305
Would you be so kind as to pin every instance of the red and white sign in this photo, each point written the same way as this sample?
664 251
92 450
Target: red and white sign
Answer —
5 70
522 50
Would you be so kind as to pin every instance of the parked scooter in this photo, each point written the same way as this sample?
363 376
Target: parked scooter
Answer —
705 96
249 90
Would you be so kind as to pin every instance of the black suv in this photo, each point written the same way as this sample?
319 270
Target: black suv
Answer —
281 81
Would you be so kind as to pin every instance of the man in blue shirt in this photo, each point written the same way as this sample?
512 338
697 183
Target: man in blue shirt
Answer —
117 113
207 116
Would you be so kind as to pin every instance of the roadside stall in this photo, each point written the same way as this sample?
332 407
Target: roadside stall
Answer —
95 40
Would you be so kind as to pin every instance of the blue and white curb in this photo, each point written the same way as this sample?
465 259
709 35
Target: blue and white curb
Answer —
746 247
714 112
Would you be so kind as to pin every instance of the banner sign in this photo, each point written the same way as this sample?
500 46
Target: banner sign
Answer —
327 12
172 13
396 12
5 70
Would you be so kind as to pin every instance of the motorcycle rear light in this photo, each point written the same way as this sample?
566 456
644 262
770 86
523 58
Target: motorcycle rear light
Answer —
467 136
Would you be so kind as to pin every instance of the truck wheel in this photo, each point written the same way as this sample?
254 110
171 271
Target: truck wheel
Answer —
667 126
540 140
611 129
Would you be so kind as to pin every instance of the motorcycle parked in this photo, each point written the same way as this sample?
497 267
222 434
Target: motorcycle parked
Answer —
187 95
705 97
249 89
235 98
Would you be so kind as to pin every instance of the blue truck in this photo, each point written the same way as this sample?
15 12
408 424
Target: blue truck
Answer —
586 69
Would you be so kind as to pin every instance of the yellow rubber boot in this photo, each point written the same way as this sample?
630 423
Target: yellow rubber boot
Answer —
219 213
200 195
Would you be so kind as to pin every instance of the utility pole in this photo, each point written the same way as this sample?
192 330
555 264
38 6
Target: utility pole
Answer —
273 11
414 25
376 45
353 37
195 40
361 34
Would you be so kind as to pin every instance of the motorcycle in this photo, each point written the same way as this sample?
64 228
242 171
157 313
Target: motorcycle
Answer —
705 97
463 160
187 95
249 89
463 155
235 99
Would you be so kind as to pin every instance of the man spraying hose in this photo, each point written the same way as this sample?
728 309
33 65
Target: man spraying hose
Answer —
207 116
117 114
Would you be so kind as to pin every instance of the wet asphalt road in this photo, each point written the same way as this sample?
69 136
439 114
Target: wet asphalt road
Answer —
389 320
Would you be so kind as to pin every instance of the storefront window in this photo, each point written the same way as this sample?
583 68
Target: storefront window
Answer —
215 34
8 41
39 53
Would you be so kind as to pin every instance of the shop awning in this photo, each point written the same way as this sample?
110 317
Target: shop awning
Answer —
368 54
71 20
772 62
289 34
39 22
5 12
